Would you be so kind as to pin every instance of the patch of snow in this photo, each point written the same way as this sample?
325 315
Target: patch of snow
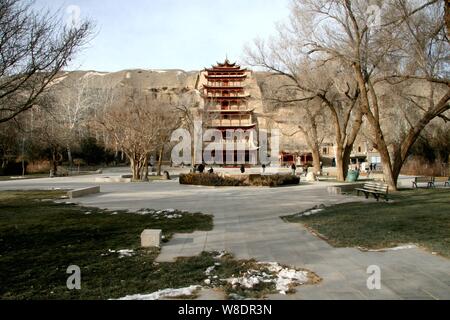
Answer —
221 255
123 253
167 213
209 270
405 247
283 278
166 293
289 277
247 282
310 212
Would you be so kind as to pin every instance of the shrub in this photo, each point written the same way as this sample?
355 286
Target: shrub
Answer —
92 152
214 180
42 166
13 169
276 180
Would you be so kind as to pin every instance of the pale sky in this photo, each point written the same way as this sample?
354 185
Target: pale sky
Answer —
170 34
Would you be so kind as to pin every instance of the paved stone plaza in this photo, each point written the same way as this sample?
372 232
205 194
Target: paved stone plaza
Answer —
247 223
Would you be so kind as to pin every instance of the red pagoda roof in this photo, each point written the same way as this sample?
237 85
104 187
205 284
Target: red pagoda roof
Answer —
227 66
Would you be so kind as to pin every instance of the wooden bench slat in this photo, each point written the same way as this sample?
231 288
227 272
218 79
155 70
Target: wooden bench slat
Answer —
377 189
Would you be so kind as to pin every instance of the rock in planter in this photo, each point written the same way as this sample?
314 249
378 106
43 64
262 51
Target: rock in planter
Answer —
151 238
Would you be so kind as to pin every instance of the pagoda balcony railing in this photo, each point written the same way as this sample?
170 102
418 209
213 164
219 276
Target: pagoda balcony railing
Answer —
225 84
227 75
230 95
230 109
231 123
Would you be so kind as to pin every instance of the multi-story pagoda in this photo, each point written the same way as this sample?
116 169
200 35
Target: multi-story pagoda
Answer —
227 107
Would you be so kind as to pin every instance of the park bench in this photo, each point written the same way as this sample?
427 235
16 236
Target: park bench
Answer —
377 189
428 180
444 180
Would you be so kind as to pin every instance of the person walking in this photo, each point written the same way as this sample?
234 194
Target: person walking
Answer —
263 168
294 169
242 169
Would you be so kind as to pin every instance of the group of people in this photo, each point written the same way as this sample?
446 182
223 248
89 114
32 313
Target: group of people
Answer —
202 167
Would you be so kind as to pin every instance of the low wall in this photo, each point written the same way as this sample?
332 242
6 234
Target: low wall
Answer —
113 180
344 188
83 192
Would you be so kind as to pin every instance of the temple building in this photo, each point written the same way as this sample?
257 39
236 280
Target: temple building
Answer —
226 106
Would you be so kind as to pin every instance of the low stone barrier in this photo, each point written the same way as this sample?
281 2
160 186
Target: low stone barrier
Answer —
78 193
344 189
151 238
113 180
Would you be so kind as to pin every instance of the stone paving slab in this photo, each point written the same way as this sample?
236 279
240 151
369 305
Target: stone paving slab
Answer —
247 223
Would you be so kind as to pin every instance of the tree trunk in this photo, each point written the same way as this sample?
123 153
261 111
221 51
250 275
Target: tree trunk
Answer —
135 169
145 176
343 155
340 164
69 156
316 159
373 118
389 177
161 153
23 167
54 162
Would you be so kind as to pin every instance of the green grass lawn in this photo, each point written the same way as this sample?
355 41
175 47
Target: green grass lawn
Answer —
40 239
415 216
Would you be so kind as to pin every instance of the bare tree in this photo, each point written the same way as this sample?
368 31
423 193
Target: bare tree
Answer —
139 124
73 105
34 48
400 41
307 80
301 115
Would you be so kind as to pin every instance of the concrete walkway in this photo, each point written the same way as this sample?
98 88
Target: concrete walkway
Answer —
247 223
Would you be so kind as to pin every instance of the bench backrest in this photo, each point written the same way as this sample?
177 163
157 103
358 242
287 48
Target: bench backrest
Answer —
423 179
377 187
442 179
